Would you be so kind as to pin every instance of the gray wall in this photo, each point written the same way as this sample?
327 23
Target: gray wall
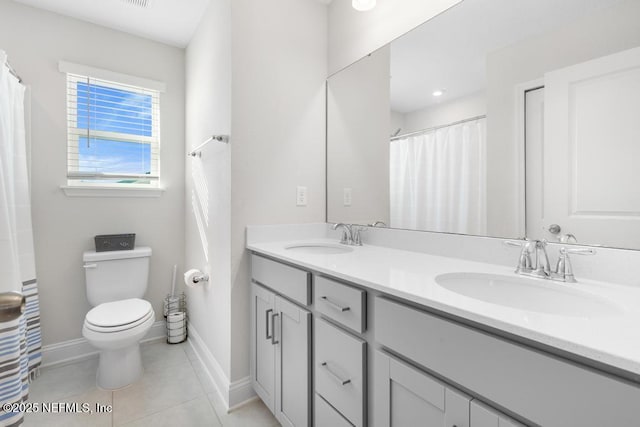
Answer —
64 226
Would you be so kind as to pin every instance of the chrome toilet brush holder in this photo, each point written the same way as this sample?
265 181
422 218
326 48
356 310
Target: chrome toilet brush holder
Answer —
175 309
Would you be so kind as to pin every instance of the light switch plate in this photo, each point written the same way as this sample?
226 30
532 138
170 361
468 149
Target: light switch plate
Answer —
301 196
347 196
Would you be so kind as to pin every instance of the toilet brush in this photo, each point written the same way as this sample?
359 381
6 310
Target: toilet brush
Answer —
173 280
171 301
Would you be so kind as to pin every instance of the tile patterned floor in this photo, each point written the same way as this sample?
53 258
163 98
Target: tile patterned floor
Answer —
173 392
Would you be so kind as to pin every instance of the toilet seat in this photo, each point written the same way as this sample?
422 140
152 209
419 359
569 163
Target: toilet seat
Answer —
118 316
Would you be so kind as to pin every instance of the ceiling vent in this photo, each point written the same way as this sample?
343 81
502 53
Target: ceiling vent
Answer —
139 3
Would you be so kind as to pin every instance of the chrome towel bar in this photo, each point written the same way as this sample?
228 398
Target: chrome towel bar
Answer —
197 152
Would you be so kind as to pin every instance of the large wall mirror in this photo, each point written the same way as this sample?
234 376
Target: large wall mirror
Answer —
496 118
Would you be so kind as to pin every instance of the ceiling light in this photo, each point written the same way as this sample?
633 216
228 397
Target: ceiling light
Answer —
438 92
138 3
363 5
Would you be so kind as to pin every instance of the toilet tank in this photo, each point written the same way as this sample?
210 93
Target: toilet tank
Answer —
116 275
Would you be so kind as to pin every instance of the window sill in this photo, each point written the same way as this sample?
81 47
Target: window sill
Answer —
77 191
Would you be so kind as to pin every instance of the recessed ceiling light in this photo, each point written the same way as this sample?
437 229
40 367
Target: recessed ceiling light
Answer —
438 92
363 5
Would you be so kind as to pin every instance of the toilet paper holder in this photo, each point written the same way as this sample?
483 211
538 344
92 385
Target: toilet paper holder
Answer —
200 278
195 277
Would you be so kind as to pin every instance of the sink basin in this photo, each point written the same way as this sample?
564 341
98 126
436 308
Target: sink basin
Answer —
537 295
319 248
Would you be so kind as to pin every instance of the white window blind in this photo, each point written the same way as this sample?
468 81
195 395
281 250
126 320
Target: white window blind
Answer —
113 133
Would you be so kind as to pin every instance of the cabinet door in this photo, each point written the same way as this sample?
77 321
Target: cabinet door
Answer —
484 416
292 326
405 396
263 366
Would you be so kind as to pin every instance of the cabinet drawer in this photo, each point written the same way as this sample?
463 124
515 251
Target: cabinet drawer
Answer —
288 281
340 371
542 388
326 416
342 303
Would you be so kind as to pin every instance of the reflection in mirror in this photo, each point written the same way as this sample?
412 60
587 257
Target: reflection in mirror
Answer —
433 132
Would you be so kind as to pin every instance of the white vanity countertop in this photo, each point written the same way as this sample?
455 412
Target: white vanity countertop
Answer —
610 339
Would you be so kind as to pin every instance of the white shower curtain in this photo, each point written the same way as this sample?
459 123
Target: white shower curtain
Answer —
20 340
438 180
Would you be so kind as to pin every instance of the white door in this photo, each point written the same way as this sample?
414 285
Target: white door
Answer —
591 150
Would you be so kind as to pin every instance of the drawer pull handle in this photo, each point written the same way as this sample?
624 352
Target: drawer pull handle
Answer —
267 336
334 305
331 373
273 329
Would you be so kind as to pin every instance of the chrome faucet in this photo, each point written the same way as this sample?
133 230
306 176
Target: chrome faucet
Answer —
350 233
541 268
347 236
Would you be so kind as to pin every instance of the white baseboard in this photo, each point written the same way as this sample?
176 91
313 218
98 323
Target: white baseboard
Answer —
233 394
71 351
241 392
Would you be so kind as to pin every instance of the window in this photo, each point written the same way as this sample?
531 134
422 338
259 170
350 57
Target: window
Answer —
113 132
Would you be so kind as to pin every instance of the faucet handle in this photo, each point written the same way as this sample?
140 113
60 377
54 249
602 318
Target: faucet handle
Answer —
524 262
564 270
515 243
355 231
577 251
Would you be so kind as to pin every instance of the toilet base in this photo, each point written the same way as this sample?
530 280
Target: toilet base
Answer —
120 367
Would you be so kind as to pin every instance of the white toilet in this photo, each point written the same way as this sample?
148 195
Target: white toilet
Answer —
119 319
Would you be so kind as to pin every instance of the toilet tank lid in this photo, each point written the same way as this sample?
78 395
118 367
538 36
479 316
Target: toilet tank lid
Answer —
138 252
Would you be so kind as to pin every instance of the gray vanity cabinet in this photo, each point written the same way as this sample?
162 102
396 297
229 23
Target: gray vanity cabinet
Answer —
280 355
542 388
484 416
405 396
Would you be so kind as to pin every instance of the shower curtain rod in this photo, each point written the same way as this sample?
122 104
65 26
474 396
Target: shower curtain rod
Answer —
12 71
420 132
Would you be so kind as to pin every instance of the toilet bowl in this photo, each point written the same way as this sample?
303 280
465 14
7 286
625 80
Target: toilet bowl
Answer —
116 281
116 328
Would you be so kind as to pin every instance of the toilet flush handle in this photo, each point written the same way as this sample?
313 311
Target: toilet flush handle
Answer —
90 266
